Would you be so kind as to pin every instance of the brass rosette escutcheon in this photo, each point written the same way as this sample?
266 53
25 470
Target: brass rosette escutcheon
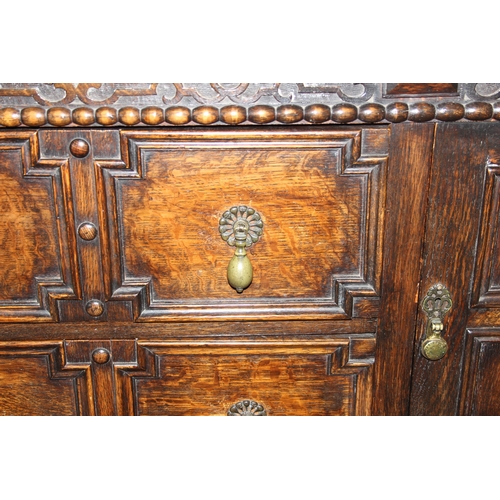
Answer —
241 227
247 408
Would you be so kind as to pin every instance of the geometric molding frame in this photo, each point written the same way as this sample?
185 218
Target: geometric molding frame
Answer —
477 381
66 285
485 292
336 353
351 296
57 369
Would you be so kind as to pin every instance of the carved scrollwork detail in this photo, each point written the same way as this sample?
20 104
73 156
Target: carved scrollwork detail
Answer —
49 94
349 92
46 94
165 104
241 93
483 91
247 408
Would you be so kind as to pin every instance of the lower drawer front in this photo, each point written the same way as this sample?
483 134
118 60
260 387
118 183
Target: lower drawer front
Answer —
187 377
261 379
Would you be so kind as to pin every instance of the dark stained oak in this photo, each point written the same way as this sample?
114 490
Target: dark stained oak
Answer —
481 381
408 173
457 204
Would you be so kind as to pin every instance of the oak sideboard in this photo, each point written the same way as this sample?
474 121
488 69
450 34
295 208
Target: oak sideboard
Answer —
250 249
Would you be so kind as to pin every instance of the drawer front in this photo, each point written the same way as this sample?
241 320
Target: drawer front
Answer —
188 377
110 225
120 234
320 196
277 378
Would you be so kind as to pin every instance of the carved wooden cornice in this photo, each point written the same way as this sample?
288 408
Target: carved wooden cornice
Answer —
192 104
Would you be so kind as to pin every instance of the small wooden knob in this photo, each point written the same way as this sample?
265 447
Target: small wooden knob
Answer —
101 356
87 231
94 307
79 148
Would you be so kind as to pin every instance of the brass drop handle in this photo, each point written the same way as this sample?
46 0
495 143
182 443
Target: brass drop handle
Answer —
436 304
240 226
239 270
434 347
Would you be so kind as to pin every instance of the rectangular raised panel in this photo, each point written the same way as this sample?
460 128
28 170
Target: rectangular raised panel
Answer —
481 387
313 378
320 197
486 290
28 247
33 382
34 251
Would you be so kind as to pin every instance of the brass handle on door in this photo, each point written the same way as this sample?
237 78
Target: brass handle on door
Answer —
436 304
240 226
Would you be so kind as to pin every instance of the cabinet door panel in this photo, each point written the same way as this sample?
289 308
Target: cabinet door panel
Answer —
460 253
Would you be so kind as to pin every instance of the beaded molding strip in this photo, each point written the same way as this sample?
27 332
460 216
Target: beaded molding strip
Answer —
91 105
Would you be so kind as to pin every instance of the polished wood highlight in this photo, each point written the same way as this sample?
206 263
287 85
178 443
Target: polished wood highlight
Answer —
419 89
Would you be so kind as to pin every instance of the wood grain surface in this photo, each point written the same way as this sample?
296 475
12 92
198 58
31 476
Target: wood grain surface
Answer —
285 378
320 196
408 177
